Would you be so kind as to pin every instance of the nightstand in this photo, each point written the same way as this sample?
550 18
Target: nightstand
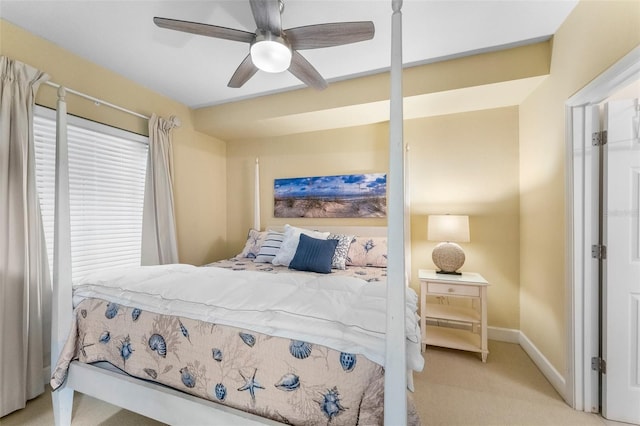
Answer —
473 319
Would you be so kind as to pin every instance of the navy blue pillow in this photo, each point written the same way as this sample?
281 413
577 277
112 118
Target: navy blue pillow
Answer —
313 255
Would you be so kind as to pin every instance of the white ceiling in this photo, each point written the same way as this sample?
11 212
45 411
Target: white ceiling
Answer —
194 70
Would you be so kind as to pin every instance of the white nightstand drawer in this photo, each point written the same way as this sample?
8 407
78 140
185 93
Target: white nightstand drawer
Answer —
453 290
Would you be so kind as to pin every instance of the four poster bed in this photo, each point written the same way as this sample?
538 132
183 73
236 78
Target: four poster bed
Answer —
267 337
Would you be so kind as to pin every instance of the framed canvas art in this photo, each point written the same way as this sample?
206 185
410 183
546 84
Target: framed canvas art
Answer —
356 195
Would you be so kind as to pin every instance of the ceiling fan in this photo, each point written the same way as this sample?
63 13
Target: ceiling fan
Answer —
274 49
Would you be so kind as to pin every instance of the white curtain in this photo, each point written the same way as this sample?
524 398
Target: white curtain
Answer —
159 244
25 289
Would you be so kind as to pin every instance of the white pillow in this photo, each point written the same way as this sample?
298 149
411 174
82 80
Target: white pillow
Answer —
290 243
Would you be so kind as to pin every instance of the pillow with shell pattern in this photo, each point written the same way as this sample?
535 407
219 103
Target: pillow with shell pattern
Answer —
253 244
368 251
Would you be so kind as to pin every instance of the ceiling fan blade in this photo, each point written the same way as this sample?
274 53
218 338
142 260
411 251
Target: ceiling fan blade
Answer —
243 73
327 35
306 73
267 15
205 29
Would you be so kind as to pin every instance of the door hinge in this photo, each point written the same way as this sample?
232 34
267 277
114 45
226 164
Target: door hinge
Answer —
598 251
599 364
599 138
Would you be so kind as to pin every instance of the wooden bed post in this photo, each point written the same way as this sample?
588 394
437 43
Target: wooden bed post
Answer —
61 297
395 383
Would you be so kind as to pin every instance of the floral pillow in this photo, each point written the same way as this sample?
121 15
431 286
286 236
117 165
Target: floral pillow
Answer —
368 251
253 244
342 250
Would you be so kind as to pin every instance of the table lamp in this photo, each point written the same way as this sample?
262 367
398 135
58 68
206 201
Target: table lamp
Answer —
449 230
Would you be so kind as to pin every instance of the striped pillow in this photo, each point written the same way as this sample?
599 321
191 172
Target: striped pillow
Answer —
270 247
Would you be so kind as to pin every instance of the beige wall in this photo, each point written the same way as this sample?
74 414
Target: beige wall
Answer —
200 160
595 36
468 164
464 163
329 152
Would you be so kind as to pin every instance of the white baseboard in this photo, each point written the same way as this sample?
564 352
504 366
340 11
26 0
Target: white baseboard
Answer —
510 335
547 369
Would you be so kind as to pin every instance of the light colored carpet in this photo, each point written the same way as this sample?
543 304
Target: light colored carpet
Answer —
455 388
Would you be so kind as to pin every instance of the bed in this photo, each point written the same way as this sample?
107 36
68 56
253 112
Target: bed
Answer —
282 342
182 405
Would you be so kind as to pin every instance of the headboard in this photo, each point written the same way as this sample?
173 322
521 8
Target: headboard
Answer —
369 231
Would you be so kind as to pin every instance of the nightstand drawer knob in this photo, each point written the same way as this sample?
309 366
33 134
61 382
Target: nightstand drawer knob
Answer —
451 290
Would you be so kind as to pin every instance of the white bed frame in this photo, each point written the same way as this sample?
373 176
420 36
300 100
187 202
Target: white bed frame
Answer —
174 407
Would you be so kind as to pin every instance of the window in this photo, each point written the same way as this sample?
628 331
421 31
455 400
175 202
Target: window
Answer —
107 168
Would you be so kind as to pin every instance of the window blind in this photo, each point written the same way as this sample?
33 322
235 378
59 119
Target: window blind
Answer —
107 168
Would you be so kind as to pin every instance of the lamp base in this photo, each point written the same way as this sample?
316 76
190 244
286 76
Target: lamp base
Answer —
448 257
449 273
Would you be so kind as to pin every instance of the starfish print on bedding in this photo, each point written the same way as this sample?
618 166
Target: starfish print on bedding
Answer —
251 384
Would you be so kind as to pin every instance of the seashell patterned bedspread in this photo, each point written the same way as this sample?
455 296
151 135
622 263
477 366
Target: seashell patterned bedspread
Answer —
287 380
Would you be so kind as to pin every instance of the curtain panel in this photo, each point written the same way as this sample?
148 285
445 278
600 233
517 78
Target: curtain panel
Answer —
159 245
25 285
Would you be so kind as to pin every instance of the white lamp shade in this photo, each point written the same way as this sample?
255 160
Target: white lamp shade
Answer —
271 56
451 228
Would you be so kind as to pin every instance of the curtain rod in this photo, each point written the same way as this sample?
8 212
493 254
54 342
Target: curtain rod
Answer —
97 101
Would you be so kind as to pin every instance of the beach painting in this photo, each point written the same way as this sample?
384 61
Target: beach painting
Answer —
356 195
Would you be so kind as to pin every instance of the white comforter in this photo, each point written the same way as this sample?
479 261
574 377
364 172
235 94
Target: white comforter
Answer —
343 313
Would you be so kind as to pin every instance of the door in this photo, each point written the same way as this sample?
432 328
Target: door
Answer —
621 270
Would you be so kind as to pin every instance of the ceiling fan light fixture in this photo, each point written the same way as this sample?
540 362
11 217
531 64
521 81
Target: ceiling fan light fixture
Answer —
270 53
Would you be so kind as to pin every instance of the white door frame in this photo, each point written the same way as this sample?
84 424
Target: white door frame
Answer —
581 285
